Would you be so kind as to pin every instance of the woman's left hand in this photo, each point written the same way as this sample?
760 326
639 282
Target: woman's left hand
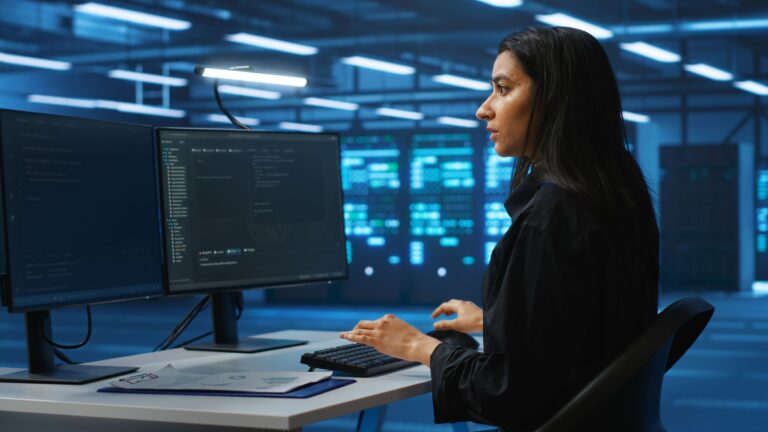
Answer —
392 336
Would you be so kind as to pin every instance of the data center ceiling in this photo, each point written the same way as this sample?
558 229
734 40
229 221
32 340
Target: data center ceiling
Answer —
435 38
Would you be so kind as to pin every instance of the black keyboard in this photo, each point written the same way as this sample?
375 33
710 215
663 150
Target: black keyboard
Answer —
354 359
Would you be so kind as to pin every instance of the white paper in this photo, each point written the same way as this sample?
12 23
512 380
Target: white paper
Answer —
170 378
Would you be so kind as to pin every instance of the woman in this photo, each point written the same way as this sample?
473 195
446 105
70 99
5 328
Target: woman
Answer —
574 279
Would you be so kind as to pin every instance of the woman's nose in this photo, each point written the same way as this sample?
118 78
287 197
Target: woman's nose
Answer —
484 112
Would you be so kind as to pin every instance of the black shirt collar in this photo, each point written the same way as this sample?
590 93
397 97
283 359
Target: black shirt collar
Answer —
520 196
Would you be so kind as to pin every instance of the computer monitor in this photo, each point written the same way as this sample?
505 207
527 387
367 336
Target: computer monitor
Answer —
245 209
82 225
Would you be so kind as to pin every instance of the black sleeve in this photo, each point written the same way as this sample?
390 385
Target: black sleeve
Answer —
543 357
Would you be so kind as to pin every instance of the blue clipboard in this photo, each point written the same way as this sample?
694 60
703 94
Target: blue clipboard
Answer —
303 392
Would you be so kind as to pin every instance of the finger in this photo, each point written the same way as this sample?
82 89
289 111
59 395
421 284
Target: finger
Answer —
365 332
365 324
444 309
386 319
445 324
358 338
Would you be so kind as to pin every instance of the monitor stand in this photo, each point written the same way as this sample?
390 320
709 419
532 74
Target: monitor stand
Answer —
43 369
225 331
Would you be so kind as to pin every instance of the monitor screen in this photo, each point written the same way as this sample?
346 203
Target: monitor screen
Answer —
247 209
81 207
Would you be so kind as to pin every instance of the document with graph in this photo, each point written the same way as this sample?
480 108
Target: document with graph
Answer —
170 378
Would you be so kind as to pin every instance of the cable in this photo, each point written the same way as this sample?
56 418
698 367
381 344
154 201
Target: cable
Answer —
194 339
63 357
226 112
77 345
183 324
239 304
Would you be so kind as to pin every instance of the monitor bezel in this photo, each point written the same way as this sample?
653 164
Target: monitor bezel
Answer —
7 279
248 286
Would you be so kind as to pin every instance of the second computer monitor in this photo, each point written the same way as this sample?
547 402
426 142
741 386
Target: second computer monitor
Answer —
81 207
250 209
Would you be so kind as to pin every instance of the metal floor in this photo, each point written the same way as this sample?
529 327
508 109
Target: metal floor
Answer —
720 384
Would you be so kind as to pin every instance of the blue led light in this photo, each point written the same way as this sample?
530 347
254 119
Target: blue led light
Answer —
449 241
646 29
735 24
394 260
762 243
417 253
457 166
762 185
391 223
468 260
370 153
447 151
376 241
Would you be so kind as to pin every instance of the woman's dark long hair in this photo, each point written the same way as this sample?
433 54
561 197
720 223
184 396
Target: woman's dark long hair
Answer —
576 138
576 135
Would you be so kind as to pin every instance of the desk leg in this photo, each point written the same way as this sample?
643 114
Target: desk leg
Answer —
371 420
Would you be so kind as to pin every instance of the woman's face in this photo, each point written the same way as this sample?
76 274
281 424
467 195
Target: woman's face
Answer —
508 108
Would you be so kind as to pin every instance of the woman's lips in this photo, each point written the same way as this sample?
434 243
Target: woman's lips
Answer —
493 134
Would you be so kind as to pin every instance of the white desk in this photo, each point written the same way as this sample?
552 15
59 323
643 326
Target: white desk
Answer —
60 408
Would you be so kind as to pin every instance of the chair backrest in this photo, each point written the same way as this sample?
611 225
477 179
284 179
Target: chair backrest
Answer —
629 389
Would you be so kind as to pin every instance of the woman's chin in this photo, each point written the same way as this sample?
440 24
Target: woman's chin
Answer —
502 150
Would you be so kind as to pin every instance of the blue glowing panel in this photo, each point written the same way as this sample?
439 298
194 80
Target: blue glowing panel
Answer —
762 185
371 181
373 202
443 214
761 224
498 172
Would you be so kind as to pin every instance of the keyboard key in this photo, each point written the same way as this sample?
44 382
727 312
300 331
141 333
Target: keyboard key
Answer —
354 359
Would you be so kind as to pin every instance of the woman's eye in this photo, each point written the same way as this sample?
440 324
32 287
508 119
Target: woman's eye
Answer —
502 89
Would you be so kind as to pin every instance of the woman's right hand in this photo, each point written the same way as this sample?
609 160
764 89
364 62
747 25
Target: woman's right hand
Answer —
469 317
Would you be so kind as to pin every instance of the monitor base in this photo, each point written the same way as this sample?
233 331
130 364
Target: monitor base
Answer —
250 345
68 374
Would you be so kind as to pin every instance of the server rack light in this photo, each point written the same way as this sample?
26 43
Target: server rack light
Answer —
635 117
330 103
708 71
62 101
503 3
561 19
752 87
20 60
271 44
125 107
132 16
221 118
133 108
650 51
247 76
458 81
301 127
379 65
455 121
398 113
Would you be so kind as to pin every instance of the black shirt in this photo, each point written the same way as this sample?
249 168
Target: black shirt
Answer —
567 289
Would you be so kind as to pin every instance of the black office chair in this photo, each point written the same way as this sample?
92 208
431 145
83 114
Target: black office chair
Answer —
627 394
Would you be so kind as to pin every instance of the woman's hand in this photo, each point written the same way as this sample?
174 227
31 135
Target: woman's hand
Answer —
392 336
469 317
